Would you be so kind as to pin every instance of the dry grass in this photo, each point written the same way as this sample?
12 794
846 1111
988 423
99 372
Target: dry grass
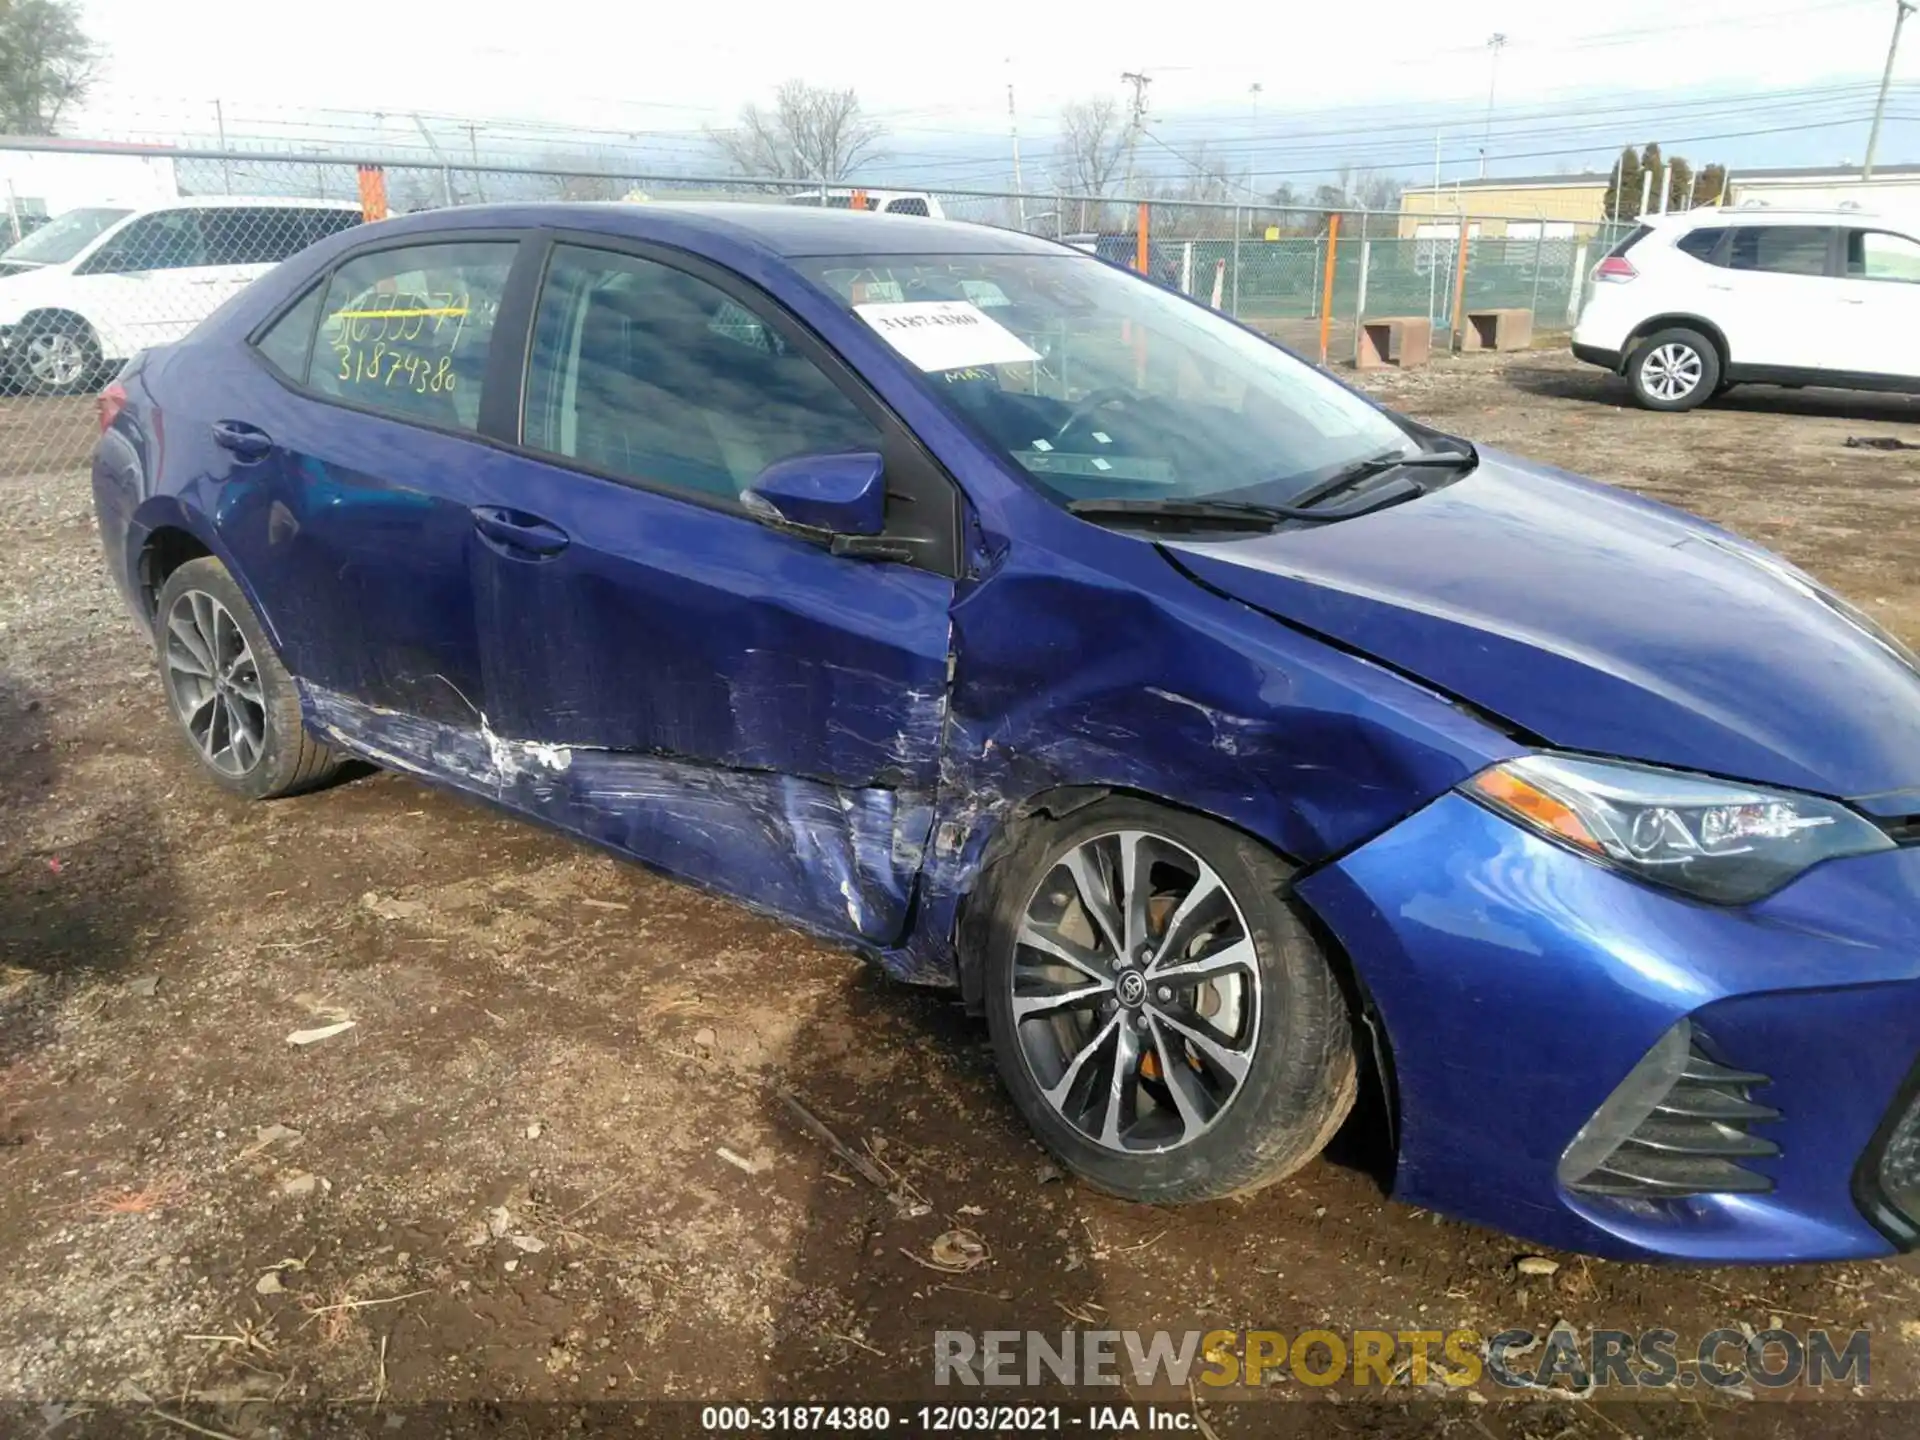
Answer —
166 1190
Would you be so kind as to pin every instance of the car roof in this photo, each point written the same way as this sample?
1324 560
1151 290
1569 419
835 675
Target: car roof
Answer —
1768 214
251 202
788 231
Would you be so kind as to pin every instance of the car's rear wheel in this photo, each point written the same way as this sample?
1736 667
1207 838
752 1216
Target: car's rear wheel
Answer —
58 355
234 701
1164 1020
1674 369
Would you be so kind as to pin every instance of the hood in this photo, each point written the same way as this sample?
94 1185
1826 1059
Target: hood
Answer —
1602 622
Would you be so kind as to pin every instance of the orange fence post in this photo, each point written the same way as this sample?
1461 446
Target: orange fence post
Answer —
1140 241
1460 291
373 193
1326 285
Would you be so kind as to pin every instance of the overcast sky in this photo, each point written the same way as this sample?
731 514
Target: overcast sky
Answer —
350 67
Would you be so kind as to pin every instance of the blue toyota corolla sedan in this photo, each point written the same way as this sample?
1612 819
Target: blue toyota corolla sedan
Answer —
1229 741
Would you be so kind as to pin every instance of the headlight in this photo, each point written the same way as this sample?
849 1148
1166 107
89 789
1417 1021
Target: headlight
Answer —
1711 838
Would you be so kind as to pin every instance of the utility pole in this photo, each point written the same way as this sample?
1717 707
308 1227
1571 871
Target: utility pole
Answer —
446 170
1495 43
1137 119
1013 131
1901 9
226 167
473 154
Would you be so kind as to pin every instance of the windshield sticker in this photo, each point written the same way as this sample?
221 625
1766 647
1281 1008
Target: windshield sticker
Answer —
945 334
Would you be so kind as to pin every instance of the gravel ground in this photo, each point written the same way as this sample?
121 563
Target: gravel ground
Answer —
551 1160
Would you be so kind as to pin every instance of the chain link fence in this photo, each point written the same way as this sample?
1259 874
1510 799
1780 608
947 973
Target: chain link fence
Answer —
119 248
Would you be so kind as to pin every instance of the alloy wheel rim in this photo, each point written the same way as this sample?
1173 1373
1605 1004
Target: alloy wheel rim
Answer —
1136 992
215 683
1672 371
56 359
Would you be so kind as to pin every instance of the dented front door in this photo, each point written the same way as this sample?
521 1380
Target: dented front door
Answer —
730 703
665 673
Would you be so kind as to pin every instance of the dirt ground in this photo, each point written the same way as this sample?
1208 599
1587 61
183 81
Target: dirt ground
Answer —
550 1160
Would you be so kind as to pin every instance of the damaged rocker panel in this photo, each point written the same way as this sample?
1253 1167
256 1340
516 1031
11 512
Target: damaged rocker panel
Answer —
837 861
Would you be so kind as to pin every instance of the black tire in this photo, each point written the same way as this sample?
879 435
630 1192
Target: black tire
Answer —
1674 369
284 759
1300 1073
58 354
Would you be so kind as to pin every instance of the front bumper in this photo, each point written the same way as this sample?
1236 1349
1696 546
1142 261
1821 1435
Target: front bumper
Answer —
1519 983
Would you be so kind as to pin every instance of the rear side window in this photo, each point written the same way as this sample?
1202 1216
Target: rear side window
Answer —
910 205
1701 244
1882 255
250 235
1781 249
406 331
267 234
319 224
1632 238
289 339
649 372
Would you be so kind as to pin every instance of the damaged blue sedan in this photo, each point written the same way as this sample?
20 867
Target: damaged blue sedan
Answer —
1230 742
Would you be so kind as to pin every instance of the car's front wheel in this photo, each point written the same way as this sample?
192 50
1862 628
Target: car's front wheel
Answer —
1674 369
233 699
1162 1017
58 355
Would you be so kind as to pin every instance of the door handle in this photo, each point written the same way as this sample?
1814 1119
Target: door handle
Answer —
249 442
516 532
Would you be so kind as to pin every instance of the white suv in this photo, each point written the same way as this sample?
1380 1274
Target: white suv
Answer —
92 286
1689 304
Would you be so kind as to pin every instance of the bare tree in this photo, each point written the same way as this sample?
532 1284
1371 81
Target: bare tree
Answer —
570 177
1091 149
809 134
1367 189
1093 144
47 63
1211 180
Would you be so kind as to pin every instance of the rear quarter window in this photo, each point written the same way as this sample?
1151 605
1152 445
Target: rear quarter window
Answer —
1632 238
1702 244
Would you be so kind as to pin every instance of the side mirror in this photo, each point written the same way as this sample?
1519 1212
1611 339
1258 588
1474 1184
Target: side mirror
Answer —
840 494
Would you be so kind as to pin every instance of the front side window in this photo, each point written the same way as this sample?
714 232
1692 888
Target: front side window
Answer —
1782 249
652 374
406 331
1102 386
63 237
167 240
1882 255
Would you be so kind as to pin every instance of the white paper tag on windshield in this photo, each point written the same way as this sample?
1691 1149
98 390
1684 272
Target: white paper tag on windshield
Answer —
945 334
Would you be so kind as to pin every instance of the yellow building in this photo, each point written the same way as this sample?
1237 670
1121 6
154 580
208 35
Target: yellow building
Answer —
1519 208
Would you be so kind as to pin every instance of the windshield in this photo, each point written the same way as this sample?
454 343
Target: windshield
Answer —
64 236
1102 386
